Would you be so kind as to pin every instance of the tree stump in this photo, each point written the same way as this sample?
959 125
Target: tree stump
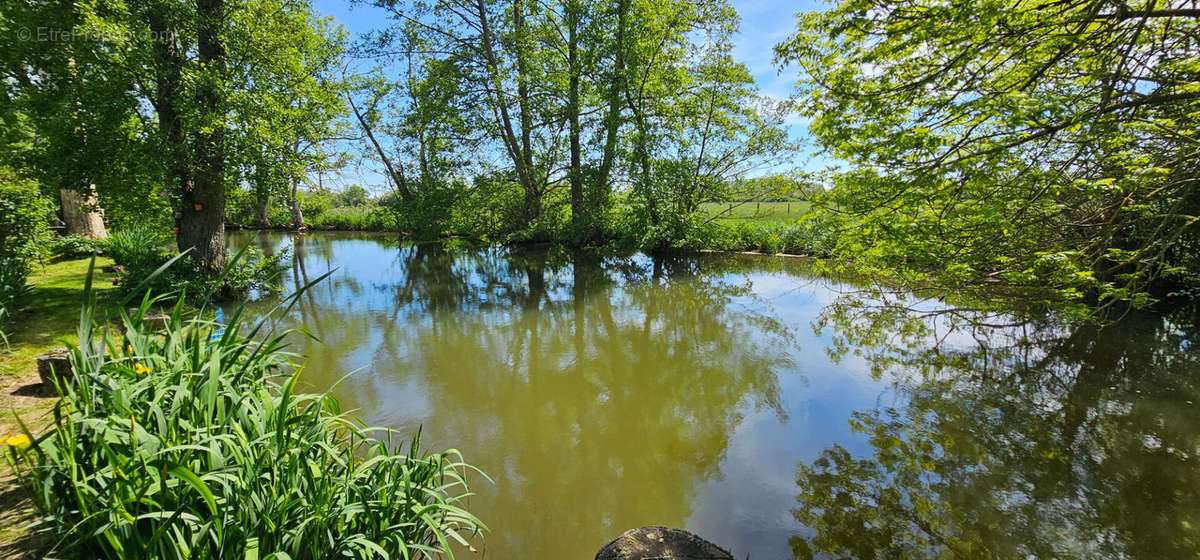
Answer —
54 363
82 214
156 321
649 543
151 321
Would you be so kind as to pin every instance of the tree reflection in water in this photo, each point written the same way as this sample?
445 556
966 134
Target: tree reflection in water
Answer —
1016 440
595 392
607 393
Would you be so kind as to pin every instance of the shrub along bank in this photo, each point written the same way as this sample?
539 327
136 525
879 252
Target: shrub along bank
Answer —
193 443
494 216
23 229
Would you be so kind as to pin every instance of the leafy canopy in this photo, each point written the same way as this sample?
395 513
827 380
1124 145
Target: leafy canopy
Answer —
1047 143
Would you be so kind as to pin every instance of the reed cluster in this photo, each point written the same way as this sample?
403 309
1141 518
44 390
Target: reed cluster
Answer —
192 441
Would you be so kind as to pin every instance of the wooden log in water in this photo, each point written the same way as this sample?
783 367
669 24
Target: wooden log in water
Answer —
648 543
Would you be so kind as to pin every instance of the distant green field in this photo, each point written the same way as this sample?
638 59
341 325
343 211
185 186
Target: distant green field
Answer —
759 213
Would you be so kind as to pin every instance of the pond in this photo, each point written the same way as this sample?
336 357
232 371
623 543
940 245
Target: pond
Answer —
770 409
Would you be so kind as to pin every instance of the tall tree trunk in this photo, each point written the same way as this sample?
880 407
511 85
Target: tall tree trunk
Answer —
263 217
262 191
641 153
202 221
576 173
168 62
395 173
82 216
533 194
297 215
612 120
499 99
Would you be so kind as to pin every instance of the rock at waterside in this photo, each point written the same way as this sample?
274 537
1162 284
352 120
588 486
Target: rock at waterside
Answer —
648 543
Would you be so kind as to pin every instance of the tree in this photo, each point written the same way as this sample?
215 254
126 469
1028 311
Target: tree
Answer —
289 112
698 121
488 58
1047 145
69 123
352 196
202 217
420 121
190 96
545 89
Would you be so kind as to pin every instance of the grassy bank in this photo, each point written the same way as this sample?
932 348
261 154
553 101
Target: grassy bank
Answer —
45 317
768 214
49 312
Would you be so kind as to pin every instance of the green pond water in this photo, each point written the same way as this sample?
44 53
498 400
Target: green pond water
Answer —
769 409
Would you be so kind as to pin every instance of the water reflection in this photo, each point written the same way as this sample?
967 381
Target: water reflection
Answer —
602 394
596 393
1028 440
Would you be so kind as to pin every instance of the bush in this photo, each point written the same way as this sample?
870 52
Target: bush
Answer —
185 444
490 209
313 203
252 271
138 248
142 251
811 238
23 230
362 218
351 196
78 246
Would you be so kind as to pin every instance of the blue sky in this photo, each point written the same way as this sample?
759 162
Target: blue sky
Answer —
764 23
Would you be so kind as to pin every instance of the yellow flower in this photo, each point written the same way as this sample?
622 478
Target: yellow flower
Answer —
140 369
20 441
128 348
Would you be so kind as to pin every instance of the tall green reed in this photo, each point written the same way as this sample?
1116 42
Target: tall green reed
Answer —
193 442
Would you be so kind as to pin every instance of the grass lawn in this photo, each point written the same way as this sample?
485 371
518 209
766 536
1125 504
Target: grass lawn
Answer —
49 313
773 214
42 319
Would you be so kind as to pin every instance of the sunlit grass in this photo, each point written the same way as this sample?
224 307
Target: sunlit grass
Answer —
49 311
757 213
360 218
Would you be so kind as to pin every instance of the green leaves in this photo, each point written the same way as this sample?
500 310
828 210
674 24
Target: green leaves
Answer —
1004 130
186 475
23 230
175 444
